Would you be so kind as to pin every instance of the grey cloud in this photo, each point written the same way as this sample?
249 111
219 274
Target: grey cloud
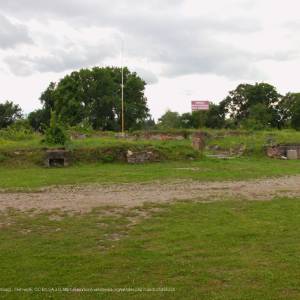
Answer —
18 65
120 14
147 75
155 30
59 60
12 34
211 57
187 48
82 9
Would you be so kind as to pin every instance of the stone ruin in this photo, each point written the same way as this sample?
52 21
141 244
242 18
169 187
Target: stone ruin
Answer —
198 141
57 158
140 157
291 152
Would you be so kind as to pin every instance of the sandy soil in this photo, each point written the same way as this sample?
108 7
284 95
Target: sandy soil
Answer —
85 198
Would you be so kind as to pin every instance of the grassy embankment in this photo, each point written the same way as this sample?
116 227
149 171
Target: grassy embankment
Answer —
93 150
92 153
224 250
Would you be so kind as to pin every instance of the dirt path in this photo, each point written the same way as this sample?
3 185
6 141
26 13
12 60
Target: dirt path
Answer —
85 198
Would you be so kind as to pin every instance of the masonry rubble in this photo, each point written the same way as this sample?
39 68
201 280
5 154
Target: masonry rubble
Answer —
138 157
284 151
198 141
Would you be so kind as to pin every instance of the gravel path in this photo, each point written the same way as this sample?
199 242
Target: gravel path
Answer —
85 198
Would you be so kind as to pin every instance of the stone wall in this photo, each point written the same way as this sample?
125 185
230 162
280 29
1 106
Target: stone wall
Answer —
281 151
198 141
139 157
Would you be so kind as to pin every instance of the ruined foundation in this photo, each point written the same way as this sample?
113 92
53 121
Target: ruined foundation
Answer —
291 152
57 158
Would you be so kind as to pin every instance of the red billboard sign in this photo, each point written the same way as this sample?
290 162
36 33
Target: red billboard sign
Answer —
200 105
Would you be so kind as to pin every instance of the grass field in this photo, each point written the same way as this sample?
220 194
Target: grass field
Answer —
222 250
32 177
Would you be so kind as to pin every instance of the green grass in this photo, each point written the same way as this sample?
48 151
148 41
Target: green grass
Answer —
253 141
35 142
224 250
94 149
111 149
226 139
203 170
30 143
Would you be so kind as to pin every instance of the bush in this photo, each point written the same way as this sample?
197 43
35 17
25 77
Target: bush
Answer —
18 131
2 158
55 134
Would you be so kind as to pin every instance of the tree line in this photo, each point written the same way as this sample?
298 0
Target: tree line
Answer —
91 98
250 106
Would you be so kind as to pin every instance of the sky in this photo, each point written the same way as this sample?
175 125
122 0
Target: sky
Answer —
184 49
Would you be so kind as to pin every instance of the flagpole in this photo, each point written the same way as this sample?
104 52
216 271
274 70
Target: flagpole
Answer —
122 90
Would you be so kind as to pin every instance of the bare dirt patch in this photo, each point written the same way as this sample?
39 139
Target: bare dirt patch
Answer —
85 198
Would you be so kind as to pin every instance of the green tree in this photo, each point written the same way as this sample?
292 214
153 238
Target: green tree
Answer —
9 113
196 119
94 96
39 119
212 118
148 124
169 120
259 117
239 102
295 120
215 117
288 108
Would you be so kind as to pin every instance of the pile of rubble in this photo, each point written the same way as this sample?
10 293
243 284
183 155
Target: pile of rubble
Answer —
140 157
291 152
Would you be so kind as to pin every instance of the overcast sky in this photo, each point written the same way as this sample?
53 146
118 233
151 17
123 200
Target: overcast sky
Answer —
185 49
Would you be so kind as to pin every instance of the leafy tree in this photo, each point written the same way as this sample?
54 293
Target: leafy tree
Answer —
196 119
239 102
259 117
295 120
48 100
186 120
39 119
169 120
148 124
94 96
9 113
287 108
215 117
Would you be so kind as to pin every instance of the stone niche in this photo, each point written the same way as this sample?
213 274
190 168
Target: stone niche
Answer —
57 158
140 157
291 152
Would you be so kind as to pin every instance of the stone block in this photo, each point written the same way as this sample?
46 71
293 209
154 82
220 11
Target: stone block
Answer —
292 154
140 157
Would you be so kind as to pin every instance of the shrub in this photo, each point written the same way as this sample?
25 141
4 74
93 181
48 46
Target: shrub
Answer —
18 131
2 158
55 134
